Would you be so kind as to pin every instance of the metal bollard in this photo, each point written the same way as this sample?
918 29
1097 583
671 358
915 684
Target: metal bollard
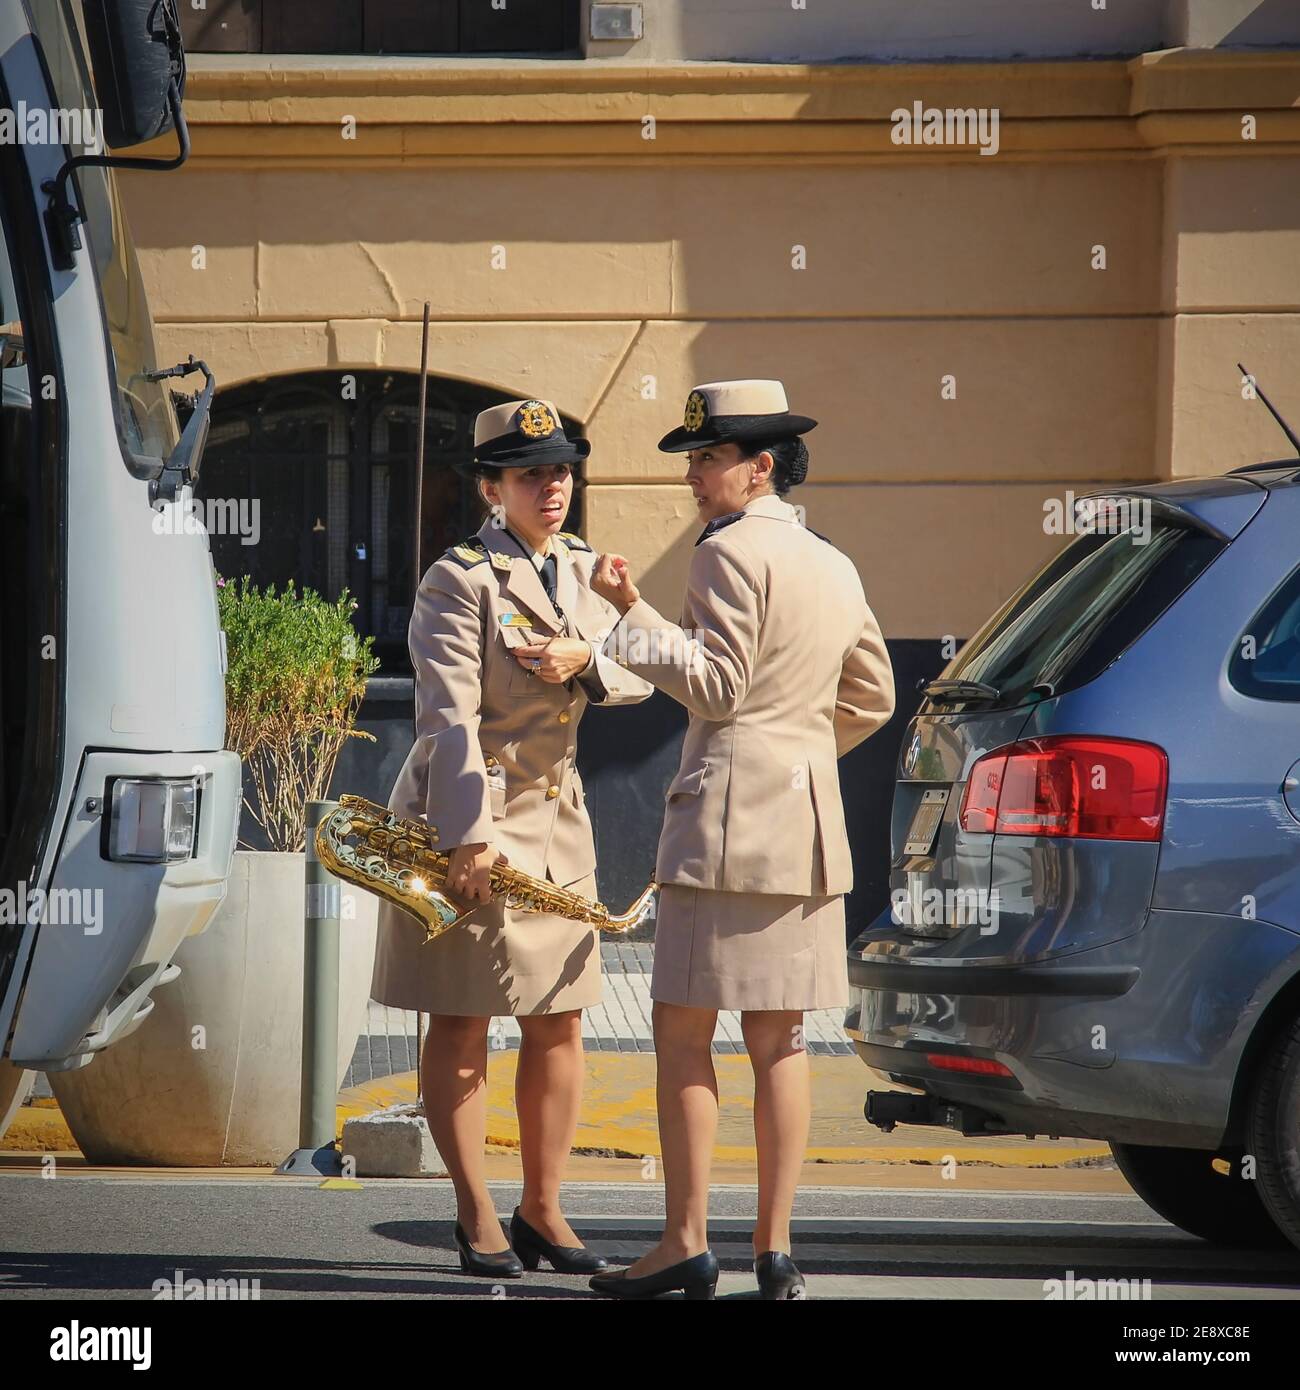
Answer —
317 1152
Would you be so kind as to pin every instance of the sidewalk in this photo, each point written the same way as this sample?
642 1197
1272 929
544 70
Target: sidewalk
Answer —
617 1119
621 1023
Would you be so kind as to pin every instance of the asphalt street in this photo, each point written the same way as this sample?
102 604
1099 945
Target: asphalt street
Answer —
92 1236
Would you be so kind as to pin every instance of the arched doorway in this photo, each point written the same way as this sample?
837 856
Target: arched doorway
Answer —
329 458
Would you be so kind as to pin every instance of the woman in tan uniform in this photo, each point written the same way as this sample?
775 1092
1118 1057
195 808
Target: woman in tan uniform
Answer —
782 669
492 773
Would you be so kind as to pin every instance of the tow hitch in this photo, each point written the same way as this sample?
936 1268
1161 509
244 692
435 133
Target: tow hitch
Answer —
886 1109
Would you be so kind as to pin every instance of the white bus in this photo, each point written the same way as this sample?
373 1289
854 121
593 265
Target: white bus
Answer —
118 807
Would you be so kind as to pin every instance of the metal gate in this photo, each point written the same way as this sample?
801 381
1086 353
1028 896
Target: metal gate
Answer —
324 464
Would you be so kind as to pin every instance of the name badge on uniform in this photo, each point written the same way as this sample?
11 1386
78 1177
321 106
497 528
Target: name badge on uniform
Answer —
515 620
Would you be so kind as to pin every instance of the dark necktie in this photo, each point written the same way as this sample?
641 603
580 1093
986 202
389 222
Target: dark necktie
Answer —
548 574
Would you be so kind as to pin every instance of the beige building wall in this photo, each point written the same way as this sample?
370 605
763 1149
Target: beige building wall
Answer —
946 315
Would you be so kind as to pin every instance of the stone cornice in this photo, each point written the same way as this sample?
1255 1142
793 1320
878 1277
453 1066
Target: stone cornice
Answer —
251 109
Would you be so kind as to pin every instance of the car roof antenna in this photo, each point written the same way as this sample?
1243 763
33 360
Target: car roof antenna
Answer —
1271 408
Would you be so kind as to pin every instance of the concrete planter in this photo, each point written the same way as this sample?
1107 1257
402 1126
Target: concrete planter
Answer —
15 1086
212 1076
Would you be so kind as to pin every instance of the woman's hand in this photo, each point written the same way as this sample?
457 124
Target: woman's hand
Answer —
612 580
469 872
555 661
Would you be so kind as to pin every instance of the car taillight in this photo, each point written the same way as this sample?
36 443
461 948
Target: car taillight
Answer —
1088 788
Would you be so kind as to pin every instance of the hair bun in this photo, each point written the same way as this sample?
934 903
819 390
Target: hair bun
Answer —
797 469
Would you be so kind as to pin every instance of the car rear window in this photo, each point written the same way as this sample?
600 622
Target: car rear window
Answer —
1266 664
1082 609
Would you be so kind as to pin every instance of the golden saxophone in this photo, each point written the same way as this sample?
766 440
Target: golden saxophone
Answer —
368 845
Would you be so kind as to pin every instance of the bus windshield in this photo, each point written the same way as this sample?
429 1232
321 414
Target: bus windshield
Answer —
147 420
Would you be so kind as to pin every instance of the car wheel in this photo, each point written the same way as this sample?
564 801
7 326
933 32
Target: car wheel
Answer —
1184 1187
1274 1131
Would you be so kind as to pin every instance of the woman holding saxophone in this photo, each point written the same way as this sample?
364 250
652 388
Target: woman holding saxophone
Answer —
504 640
784 672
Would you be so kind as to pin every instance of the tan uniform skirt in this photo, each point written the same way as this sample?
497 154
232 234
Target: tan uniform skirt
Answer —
498 961
718 950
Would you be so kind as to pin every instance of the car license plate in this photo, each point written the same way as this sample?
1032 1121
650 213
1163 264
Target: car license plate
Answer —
926 821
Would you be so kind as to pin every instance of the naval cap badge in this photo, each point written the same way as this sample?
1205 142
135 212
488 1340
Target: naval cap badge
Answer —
536 420
696 410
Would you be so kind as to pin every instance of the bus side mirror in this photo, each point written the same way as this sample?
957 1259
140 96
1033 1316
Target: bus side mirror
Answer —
183 466
136 52
138 56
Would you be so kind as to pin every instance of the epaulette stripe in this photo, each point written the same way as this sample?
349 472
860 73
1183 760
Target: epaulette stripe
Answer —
575 542
467 554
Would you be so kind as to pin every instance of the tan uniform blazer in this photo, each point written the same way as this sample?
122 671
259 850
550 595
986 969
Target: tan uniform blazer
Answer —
493 759
787 671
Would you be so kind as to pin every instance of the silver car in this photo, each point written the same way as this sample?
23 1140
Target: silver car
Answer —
1095 917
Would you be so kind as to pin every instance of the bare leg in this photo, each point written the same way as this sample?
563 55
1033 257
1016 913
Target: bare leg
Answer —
687 1091
548 1093
782 1109
453 1071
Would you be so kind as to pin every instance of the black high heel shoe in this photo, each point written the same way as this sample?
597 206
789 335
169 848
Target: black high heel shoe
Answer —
499 1264
697 1278
531 1246
778 1276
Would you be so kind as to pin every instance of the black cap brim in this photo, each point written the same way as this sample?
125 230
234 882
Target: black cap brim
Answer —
736 429
527 456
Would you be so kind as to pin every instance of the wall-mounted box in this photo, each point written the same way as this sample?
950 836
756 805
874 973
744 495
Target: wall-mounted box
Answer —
615 21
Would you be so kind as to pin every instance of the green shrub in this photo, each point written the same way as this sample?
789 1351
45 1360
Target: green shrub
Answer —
295 677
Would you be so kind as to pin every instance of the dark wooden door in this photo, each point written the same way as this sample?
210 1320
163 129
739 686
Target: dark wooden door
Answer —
222 26
412 26
523 26
313 26
380 26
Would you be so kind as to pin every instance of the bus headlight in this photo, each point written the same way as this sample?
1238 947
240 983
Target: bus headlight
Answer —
152 819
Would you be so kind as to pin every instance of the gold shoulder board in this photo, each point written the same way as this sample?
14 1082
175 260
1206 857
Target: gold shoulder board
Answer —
467 555
572 541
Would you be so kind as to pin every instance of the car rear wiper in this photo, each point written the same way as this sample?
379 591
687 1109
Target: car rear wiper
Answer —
942 691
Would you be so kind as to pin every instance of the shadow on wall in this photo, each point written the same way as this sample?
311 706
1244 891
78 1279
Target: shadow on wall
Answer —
902 30
830 30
